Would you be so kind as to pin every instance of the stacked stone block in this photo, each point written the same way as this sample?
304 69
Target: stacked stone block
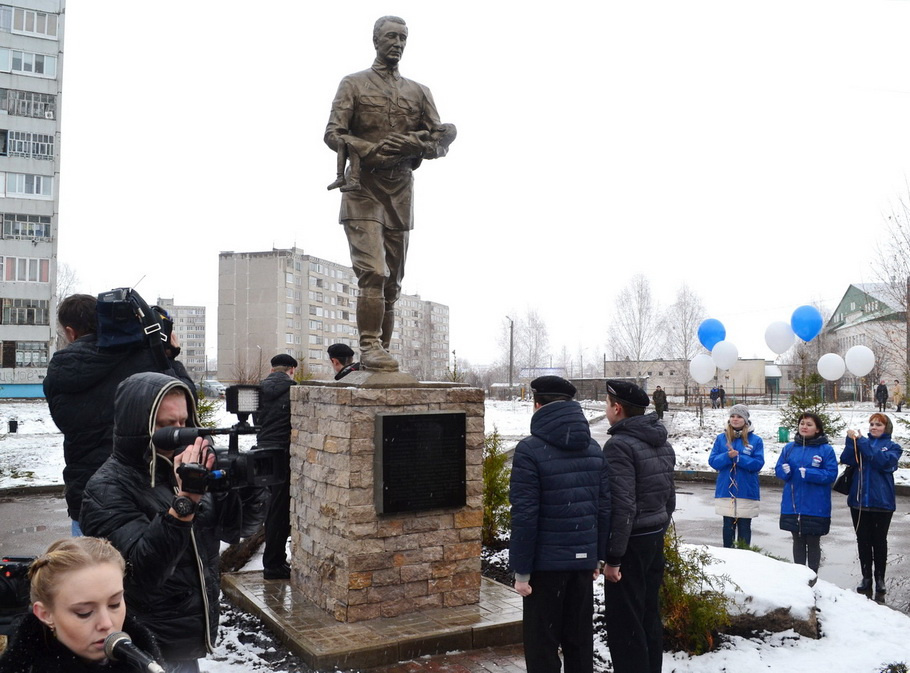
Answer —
347 559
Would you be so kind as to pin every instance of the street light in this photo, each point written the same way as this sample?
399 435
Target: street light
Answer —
511 349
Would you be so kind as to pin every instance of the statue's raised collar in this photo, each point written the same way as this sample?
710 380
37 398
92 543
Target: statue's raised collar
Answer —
386 71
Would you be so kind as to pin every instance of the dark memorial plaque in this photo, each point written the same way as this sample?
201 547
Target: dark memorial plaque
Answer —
419 462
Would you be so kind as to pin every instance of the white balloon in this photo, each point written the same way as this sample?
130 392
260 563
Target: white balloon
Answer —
860 360
831 366
779 336
702 368
724 355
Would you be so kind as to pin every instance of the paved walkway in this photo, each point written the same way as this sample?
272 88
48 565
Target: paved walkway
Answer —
505 659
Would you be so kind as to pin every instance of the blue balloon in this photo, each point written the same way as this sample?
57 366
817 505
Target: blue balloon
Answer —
806 322
711 332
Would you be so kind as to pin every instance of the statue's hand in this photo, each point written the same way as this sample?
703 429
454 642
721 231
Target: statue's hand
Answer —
403 144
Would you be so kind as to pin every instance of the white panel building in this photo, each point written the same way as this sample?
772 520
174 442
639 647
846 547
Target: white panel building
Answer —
284 301
31 66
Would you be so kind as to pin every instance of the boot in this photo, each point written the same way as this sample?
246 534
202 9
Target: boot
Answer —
880 585
865 587
370 313
388 326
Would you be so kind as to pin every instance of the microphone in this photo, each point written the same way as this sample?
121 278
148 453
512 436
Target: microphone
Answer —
119 647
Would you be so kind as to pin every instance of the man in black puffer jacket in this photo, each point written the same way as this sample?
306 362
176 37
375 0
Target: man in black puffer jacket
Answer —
560 495
168 542
641 466
274 420
79 387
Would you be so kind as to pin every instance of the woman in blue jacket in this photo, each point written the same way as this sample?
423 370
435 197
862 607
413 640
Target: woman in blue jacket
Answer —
871 497
738 455
808 467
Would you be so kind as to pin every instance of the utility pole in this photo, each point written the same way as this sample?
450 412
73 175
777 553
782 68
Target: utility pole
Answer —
511 350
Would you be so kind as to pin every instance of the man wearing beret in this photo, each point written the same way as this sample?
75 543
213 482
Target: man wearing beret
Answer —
274 420
641 463
342 358
560 496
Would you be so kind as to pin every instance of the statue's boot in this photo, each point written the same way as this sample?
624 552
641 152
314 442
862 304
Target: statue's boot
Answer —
338 183
388 326
352 185
370 314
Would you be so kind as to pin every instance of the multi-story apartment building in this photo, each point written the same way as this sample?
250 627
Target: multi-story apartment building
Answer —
189 326
284 301
31 65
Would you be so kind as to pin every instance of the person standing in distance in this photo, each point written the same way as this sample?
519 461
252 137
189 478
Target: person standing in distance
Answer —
274 421
560 495
640 462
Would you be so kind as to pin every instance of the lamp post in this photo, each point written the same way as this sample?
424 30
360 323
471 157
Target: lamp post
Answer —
511 350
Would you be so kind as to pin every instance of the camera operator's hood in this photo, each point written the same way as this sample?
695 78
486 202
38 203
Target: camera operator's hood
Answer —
135 409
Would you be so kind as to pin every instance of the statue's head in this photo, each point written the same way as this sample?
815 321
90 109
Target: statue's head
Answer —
390 35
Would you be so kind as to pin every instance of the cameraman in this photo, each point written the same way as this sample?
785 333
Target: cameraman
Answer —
80 385
168 542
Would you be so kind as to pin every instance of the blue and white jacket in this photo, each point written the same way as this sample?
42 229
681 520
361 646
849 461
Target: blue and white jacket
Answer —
809 495
873 484
738 477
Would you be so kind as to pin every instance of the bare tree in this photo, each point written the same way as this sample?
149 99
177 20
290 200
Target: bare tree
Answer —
532 341
681 322
893 272
635 328
66 280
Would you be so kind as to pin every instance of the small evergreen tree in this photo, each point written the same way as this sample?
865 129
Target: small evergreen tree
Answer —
496 514
807 396
207 409
693 605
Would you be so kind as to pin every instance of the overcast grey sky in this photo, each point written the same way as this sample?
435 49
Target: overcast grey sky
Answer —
746 148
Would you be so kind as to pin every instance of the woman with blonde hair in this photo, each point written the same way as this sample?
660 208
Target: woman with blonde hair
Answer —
871 498
738 455
76 590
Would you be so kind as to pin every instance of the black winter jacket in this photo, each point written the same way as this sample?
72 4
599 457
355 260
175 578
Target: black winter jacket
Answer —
34 649
641 462
80 385
171 583
274 415
560 494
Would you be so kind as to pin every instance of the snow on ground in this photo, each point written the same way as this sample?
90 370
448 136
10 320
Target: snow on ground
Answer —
858 635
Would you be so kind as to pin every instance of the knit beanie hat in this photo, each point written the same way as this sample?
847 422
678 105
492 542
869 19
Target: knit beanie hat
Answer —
740 410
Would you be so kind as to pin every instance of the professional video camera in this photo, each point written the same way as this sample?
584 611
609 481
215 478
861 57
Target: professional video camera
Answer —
14 590
233 468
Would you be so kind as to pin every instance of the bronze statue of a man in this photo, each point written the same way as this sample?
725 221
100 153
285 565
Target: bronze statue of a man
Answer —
386 126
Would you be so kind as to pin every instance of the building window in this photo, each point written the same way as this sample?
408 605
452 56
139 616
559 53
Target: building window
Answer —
16 225
28 63
28 22
25 312
28 103
24 269
33 145
29 185
31 354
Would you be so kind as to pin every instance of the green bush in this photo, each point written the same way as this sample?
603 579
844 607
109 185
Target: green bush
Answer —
693 605
895 668
496 514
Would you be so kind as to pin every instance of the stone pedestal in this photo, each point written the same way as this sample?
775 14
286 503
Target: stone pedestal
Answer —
349 560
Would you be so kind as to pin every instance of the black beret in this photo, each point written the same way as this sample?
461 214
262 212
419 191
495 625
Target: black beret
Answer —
628 392
552 385
283 360
339 351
